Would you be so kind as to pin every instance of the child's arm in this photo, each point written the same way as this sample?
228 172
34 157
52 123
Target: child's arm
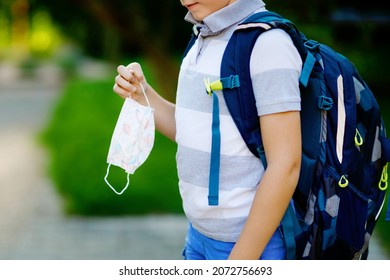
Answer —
281 134
127 84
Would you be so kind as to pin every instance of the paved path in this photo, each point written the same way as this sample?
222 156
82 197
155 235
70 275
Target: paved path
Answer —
32 225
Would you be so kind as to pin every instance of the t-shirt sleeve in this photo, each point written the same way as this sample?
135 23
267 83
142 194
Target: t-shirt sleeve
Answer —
275 70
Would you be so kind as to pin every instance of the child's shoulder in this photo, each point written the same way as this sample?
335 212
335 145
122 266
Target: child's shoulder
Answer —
274 37
275 48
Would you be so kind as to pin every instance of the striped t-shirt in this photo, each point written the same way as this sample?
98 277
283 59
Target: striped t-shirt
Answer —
275 70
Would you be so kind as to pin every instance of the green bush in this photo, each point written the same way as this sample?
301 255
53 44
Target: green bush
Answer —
78 138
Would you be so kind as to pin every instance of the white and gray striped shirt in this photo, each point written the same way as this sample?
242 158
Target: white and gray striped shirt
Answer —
275 70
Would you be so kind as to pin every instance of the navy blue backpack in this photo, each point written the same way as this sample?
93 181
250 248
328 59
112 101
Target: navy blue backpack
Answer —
345 151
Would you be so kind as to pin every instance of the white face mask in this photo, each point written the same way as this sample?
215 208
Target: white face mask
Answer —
132 140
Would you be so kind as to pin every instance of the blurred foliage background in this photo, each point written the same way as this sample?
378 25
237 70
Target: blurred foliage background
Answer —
112 32
118 31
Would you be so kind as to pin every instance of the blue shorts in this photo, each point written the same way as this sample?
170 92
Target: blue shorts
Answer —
201 247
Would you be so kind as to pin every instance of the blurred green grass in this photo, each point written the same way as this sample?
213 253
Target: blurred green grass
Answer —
78 138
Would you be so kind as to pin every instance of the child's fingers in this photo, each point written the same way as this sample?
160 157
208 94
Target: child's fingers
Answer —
121 92
126 73
128 80
124 83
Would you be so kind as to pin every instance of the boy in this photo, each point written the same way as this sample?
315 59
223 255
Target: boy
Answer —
245 224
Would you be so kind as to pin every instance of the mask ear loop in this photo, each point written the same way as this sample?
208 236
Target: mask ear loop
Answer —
108 183
143 91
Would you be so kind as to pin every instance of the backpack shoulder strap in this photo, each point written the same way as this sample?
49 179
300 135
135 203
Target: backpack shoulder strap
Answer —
191 42
270 20
240 98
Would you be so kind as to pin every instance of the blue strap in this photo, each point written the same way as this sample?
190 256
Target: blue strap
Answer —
387 218
306 69
325 102
230 82
215 154
291 228
262 156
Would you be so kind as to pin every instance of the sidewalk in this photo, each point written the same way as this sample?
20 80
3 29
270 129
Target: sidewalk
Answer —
32 225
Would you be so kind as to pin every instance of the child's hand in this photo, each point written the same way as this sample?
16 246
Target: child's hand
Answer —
128 82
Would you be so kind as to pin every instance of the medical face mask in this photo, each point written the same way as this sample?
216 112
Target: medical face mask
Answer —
132 140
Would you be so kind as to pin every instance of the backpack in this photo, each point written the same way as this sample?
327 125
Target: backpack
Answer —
345 151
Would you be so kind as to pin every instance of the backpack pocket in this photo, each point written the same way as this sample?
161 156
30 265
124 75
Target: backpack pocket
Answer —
336 217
